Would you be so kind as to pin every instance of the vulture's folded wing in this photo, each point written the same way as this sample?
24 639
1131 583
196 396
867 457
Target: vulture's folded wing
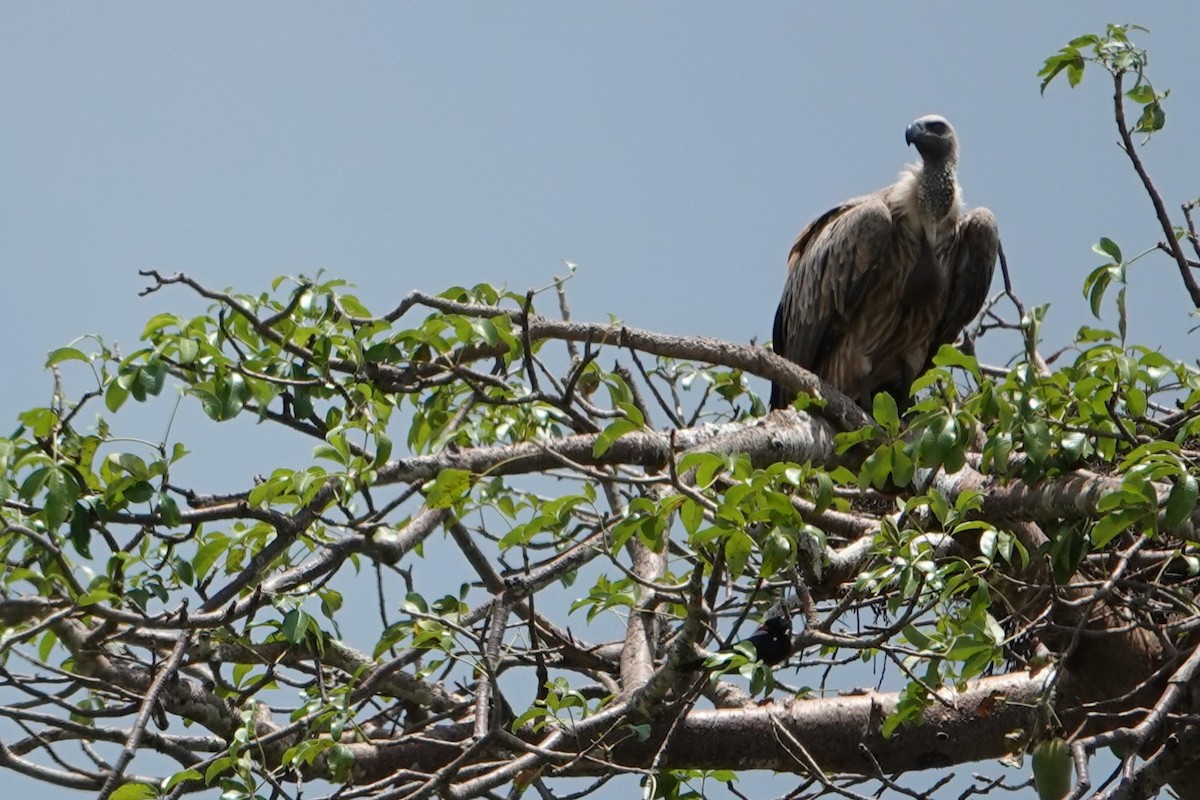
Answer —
830 270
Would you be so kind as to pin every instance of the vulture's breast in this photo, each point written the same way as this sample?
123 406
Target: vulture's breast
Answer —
928 280
924 305
920 302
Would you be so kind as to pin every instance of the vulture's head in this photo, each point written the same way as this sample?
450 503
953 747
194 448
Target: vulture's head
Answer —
933 137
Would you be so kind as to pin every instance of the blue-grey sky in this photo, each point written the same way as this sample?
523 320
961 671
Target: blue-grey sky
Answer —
673 150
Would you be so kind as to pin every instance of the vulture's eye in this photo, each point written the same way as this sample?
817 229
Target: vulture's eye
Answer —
936 127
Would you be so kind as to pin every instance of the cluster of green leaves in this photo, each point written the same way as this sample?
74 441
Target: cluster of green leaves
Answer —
298 354
429 627
942 430
954 636
744 511
52 468
234 771
731 385
1113 51
742 659
559 704
1102 411
688 784
64 487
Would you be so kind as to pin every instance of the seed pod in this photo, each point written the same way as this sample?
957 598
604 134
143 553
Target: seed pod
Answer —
1052 769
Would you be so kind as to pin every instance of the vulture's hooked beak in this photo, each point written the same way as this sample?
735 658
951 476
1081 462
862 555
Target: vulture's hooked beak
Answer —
913 131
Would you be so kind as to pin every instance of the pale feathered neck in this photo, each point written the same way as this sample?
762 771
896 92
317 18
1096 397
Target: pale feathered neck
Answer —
930 191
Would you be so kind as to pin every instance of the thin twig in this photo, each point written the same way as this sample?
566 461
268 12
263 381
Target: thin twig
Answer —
145 713
1160 210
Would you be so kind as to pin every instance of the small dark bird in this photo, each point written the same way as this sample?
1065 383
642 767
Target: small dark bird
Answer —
772 643
877 284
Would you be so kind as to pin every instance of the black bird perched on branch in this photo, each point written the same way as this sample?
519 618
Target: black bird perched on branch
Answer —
772 642
877 284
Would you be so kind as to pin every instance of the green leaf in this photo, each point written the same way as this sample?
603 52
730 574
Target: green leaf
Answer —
987 543
115 396
208 554
738 546
158 322
615 430
1135 402
168 510
640 732
844 441
1036 436
691 514
1088 334
902 465
1107 247
179 777
706 465
415 603
46 645
1069 59
1113 524
40 421
1140 93
778 553
341 762
383 353
183 568
218 767
1153 119
450 486
876 469
81 531
306 751
885 412
486 329
383 449
188 350
1095 286
65 354
139 492
950 356
96 596
1181 502
135 791
531 714
938 505
296 625
61 493
917 638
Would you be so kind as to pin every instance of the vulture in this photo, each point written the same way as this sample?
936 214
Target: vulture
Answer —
877 284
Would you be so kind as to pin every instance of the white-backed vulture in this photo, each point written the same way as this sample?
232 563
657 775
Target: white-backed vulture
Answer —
877 284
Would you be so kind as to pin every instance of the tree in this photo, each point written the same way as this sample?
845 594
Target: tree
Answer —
1015 557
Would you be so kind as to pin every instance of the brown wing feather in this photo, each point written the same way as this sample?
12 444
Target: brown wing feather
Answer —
829 271
971 260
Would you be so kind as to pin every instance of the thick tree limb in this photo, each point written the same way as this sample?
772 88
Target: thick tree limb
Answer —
842 735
